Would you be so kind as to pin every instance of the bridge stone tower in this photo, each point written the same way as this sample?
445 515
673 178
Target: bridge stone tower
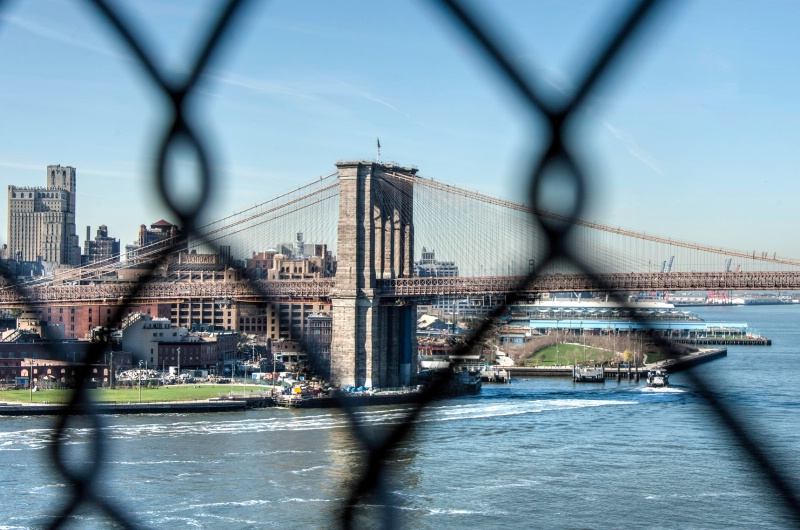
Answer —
374 343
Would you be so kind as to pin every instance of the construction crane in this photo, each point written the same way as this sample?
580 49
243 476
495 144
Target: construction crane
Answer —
722 297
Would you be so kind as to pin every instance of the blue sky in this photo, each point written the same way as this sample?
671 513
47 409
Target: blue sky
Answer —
694 137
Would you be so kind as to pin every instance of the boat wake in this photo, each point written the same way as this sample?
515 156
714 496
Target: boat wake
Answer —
282 422
663 390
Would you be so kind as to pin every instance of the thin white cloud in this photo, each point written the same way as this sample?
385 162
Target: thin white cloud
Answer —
63 37
110 173
547 76
317 90
25 166
97 172
272 88
633 148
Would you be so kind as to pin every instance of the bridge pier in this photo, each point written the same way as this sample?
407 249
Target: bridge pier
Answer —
373 343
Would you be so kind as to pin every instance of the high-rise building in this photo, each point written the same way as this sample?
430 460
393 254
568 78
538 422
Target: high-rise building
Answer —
41 221
103 249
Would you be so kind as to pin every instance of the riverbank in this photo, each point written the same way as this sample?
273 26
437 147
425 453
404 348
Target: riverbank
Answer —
165 399
171 407
229 402
673 365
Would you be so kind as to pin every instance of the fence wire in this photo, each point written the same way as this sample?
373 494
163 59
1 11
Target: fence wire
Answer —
370 485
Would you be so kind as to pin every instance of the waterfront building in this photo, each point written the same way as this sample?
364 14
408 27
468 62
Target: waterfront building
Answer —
141 333
429 267
306 268
318 342
460 307
41 220
599 317
78 320
305 261
160 235
258 266
199 351
288 320
103 248
156 342
54 361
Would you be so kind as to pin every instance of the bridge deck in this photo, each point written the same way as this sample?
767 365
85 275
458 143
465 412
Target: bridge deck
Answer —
402 288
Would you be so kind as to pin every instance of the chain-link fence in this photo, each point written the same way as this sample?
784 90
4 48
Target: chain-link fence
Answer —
559 153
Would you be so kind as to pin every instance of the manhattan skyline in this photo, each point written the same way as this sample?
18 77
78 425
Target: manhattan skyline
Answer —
692 138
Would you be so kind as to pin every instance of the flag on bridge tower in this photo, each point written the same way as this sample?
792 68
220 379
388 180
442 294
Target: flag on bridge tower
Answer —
379 149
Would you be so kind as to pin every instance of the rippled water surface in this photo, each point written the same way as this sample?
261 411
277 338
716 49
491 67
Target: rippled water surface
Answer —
537 453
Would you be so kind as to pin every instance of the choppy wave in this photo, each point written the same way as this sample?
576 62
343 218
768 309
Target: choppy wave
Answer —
279 420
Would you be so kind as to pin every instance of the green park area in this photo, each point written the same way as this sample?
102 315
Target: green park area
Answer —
569 354
131 395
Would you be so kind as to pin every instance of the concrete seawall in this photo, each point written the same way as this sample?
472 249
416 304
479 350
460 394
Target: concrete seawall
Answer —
37 409
688 361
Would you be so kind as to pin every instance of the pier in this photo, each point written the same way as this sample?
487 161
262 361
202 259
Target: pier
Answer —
634 373
732 341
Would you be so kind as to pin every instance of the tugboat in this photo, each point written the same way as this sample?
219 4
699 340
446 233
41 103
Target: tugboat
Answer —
657 378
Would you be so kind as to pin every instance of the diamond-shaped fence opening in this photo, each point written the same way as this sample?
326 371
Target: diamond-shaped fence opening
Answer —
368 482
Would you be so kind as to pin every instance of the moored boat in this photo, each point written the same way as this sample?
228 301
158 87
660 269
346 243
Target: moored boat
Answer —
588 374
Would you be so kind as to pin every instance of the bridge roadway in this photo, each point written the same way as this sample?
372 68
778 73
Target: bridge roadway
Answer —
403 288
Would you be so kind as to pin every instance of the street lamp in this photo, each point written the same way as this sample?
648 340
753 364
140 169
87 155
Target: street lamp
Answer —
557 337
274 359
141 363
583 334
30 381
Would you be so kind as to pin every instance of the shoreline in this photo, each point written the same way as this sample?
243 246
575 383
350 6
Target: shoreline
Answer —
241 404
676 365
158 407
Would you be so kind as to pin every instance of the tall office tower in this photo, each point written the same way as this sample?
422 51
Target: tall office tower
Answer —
41 221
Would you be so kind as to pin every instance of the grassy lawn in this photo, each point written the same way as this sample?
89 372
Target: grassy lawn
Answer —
125 395
571 353
568 354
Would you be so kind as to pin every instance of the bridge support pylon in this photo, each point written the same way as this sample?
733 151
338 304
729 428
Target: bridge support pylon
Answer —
374 342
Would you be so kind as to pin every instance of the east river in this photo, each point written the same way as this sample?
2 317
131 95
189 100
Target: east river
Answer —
540 453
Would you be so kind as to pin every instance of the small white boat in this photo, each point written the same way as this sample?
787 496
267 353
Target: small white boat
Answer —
657 378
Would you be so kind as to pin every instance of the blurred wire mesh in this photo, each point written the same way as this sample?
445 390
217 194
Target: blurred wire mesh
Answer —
370 485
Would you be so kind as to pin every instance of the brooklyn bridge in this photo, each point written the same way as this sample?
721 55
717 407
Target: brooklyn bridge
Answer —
376 218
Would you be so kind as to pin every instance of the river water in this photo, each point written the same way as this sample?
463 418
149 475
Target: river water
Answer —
543 453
